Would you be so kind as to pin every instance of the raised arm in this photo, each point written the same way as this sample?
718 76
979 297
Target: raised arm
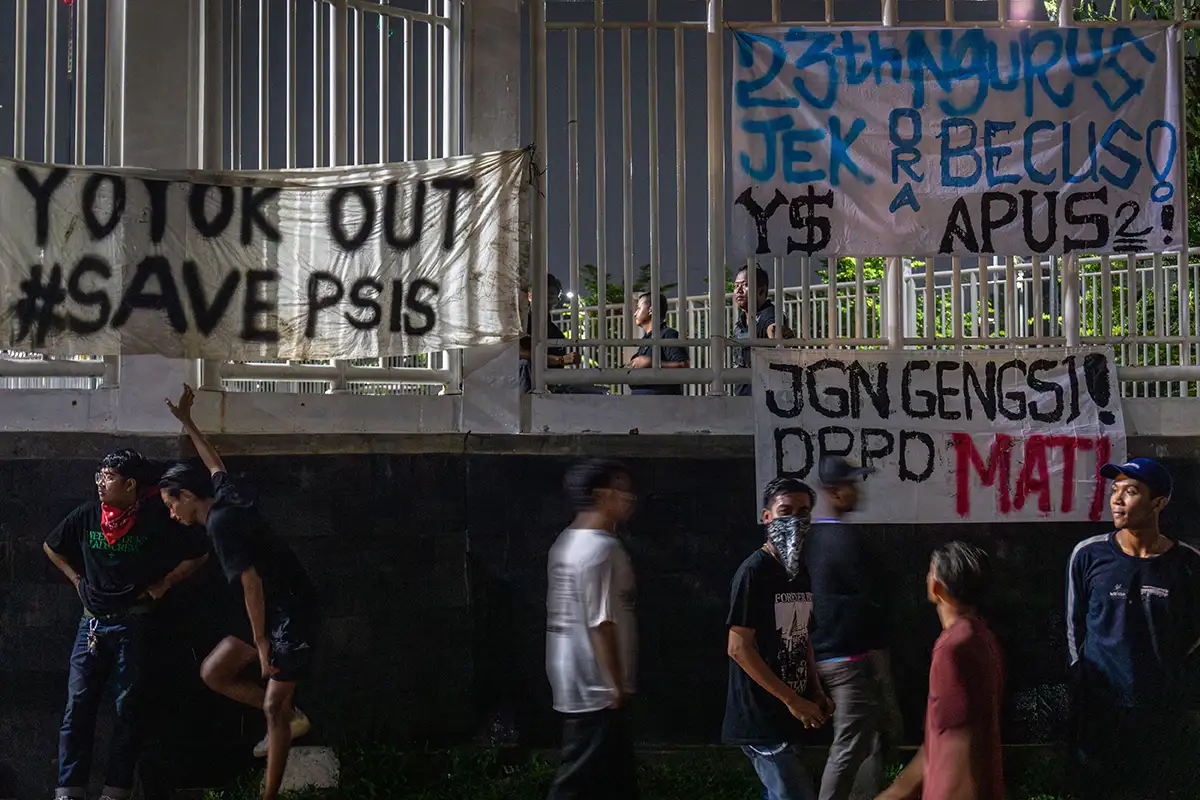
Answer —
204 448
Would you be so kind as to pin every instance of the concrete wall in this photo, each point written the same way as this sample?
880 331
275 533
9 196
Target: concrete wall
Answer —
430 554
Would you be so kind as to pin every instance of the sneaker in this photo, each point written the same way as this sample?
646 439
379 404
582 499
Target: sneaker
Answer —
300 727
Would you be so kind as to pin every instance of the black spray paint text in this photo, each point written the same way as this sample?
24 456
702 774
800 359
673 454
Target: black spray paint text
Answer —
353 212
1016 389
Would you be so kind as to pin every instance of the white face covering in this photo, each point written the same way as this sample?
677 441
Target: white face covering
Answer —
786 535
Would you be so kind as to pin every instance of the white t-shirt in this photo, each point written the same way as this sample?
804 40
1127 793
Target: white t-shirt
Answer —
590 582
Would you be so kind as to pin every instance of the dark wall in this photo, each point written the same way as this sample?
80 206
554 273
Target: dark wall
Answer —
431 568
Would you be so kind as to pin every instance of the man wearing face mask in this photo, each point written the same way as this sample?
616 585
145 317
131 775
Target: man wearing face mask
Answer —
850 605
774 695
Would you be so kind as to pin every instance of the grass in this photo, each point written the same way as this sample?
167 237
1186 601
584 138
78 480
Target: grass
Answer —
379 772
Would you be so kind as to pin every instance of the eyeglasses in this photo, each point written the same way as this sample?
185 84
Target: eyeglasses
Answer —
106 478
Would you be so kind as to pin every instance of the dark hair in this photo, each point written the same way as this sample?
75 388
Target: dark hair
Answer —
965 571
130 464
761 279
583 479
786 486
553 284
662 304
187 475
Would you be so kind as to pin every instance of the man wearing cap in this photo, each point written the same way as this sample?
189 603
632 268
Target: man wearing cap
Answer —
849 637
1133 636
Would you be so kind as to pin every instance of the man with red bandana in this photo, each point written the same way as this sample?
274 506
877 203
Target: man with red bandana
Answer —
123 553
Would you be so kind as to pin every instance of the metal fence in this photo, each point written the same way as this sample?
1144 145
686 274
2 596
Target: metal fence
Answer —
315 83
631 181
53 95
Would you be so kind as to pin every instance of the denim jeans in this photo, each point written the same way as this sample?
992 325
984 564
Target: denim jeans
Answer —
781 770
118 653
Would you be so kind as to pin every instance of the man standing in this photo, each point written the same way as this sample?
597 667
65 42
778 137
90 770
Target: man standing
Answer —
1133 638
556 357
774 694
279 598
850 607
591 636
123 554
764 318
961 756
672 357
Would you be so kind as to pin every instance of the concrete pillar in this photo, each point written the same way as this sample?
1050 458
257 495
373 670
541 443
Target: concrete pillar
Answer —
491 399
151 105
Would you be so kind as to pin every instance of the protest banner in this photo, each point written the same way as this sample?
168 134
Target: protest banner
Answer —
904 142
350 262
954 436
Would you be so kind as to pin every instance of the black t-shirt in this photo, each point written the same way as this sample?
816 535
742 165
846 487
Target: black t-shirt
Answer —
849 591
780 613
116 575
242 539
670 355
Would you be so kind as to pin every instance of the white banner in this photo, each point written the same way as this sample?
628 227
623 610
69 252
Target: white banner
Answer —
351 262
962 436
916 142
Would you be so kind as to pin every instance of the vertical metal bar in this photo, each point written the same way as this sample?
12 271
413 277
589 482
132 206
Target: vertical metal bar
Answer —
385 94
627 183
320 74
114 84
681 186
1184 263
1106 304
655 228
1010 296
930 331
573 176
51 83
539 325
1036 281
806 322
235 115
860 299
956 315
751 297
293 72
432 140
409 111
212 140
264 85
454 55
776 11
715 47
780 298
831 272
1070 262
360 86
81 79
20 56
339 84
601 196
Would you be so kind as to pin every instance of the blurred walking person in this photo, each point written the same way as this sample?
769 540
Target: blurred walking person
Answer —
591 637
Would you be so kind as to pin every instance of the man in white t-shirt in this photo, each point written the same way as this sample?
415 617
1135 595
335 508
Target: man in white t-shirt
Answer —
591 636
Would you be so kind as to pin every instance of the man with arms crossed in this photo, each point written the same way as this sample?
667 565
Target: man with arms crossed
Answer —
961 757
1133 636
279 598
591 636
774 694
123 554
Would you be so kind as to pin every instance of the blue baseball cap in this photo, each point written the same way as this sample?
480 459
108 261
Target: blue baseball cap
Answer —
1146 470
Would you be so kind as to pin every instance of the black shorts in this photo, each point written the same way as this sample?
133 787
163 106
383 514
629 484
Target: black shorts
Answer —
293 633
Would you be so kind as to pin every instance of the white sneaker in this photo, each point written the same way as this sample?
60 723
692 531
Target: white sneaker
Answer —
300 727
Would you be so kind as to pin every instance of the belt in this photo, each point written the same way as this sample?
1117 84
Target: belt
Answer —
134 611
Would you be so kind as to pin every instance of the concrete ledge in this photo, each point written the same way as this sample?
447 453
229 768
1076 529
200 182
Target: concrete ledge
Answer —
92 446
310 768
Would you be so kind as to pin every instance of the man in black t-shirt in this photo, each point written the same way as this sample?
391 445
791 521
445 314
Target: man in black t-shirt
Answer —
774 694
279 597
646 317
123 553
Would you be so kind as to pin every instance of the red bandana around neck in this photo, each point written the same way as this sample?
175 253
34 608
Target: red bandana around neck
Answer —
116 522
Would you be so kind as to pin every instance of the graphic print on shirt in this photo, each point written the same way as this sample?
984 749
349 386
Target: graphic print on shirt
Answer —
792 613
562 599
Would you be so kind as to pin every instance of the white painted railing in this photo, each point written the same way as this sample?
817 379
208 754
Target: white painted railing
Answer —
626 185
